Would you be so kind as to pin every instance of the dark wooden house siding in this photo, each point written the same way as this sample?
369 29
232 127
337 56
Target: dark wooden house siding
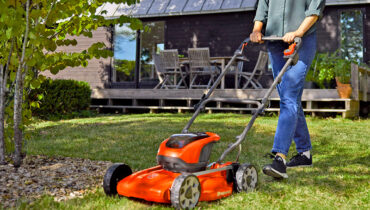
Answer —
329 29
222 33
98 70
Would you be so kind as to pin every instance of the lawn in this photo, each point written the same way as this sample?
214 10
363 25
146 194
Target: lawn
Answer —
339 178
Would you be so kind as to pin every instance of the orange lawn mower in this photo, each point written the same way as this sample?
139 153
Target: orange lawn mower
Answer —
183 176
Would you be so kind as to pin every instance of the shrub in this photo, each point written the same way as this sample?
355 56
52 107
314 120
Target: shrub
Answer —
61 97
326 66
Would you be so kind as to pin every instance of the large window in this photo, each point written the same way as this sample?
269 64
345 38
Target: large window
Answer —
124 54
152 41
352 35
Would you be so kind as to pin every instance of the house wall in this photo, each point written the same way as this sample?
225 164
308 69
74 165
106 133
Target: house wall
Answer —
98 70
329 29
222 33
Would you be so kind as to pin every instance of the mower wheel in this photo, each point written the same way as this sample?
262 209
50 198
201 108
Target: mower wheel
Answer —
246 178
114 174
185 191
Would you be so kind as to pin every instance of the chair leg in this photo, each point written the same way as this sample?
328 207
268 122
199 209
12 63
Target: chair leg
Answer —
158 85
164 83
211 80
192 82
182 80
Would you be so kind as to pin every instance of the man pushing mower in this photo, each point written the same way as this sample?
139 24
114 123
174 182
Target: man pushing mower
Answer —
289 19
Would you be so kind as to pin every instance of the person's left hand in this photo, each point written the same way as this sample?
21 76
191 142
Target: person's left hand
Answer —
289 37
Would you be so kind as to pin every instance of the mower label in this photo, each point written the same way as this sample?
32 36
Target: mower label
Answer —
224 193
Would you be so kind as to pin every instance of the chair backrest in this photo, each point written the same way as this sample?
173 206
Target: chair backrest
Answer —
262 61
170 59
199 57
158 63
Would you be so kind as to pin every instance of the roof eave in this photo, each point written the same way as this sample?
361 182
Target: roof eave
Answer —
172 14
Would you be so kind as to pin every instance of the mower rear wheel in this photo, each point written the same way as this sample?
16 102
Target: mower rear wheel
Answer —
114 174
246 178
185 191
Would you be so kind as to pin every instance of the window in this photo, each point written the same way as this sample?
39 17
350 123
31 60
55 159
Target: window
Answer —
152 42
352 35
124 54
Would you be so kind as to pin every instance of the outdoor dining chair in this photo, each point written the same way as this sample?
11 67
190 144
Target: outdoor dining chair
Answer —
252 78
200 67
169 70
163 79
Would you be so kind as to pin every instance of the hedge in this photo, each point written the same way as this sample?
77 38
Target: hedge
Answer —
61 97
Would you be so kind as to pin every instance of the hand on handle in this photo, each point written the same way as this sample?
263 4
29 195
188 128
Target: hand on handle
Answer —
256 37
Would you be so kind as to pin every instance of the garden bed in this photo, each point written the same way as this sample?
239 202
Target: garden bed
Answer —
61 177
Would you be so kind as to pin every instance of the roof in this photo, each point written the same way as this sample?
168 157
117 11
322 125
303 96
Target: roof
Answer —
160 8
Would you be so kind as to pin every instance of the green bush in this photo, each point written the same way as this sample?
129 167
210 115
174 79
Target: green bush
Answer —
326 66
57 98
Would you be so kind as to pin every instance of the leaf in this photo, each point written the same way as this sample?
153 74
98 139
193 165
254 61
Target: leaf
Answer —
32 35
40 96
12 76
84 63
9 33
35 84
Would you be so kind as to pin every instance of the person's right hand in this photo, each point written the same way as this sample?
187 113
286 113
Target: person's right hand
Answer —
256 36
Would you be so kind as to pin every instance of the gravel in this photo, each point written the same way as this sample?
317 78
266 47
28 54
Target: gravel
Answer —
61 177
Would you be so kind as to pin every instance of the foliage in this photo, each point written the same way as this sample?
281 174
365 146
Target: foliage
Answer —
60 97
339 178
32 32
125 69
326 66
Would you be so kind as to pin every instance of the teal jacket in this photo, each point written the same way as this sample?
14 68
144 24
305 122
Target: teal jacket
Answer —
283 16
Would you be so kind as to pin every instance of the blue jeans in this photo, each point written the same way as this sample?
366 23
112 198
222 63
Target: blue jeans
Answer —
292 122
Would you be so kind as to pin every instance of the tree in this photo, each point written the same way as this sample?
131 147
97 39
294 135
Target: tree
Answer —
32 32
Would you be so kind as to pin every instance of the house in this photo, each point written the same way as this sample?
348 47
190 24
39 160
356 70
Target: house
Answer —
180 24
220 25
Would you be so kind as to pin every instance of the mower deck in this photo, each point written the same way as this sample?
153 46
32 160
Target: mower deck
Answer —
154 184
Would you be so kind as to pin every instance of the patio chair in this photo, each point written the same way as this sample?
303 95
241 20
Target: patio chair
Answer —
252 78
201 65
169 70
163 79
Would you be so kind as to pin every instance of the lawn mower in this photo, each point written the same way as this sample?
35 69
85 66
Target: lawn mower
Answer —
183 176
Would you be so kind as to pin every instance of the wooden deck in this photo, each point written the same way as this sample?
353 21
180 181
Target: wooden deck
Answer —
313 100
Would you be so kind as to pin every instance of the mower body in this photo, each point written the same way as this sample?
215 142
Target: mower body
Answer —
181 153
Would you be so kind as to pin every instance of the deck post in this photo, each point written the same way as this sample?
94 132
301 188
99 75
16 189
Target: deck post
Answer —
355 81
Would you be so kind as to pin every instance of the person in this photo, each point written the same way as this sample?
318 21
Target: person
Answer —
289 19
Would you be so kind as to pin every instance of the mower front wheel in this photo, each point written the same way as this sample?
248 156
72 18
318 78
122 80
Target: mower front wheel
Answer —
185 191
114 174
246 178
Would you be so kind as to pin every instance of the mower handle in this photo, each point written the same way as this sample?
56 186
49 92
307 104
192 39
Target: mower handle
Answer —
291 55
203 103
293 47
273 38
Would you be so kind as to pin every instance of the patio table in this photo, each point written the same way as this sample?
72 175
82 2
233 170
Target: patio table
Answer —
222 61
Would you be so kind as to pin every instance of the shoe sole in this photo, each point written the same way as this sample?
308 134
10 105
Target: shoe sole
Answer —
303 166
274 173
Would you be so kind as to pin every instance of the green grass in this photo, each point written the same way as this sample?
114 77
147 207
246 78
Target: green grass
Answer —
339 178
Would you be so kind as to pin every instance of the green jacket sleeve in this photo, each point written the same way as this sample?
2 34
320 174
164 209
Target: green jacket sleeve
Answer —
316 7
262 11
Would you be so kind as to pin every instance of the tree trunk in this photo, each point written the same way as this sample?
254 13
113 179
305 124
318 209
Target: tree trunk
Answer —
3 80
2 107
18 134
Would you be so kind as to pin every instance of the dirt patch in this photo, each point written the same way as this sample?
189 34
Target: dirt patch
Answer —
61 177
